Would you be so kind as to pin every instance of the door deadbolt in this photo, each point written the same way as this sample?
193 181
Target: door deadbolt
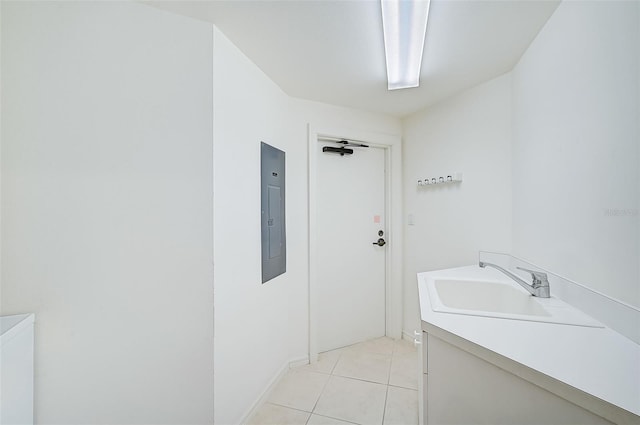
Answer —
380 233
381 242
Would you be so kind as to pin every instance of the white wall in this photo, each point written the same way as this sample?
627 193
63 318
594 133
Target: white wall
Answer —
260 328
1 157
323 115
106 208
576 189
110 132
469 133
252 320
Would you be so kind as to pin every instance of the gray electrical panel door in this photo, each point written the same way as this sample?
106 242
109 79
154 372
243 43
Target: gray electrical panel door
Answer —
274 242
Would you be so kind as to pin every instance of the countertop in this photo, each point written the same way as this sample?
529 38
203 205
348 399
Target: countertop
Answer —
597 361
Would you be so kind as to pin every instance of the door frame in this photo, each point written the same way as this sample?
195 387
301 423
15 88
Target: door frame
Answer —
393 215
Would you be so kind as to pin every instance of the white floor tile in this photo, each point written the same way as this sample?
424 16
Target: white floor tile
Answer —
404 370
349 386
299 389
402 407
364 365
403 346
383 345
352 400
326 362
323 420
270 414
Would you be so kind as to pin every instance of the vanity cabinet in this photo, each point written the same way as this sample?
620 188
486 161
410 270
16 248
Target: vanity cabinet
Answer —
496 369
459 387
420 341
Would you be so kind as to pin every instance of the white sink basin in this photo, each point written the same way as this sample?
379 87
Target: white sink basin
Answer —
487 296
501 300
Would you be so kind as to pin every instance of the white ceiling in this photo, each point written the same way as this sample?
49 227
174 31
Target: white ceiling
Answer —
333 52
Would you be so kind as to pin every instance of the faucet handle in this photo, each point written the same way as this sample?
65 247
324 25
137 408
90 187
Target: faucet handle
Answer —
539 278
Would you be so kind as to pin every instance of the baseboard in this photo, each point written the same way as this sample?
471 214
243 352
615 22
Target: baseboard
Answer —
408 335
297 362
264 396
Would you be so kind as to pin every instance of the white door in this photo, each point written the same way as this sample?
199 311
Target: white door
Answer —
351 265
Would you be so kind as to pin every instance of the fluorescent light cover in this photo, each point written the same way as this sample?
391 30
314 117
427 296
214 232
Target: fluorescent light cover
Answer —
404 23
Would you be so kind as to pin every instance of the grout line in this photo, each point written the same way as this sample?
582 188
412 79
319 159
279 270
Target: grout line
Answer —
287 407
386 398
338 419
360 379
337 360
326 383
324 387
403 388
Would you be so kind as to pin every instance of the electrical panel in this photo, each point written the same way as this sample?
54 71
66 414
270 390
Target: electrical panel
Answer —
272 189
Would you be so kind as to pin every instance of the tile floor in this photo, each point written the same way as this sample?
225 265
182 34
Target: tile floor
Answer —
370 383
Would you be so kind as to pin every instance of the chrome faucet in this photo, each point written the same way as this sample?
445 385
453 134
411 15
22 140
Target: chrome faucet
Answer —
539 286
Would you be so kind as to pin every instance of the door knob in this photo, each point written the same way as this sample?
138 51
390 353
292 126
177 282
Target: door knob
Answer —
381 242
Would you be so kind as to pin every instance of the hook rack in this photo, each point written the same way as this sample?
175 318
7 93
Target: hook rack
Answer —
434 181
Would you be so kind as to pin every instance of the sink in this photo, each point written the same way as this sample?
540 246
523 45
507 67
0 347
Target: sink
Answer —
487 296
501 300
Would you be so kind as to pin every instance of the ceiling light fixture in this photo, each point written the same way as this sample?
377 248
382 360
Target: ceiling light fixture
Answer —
404 24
